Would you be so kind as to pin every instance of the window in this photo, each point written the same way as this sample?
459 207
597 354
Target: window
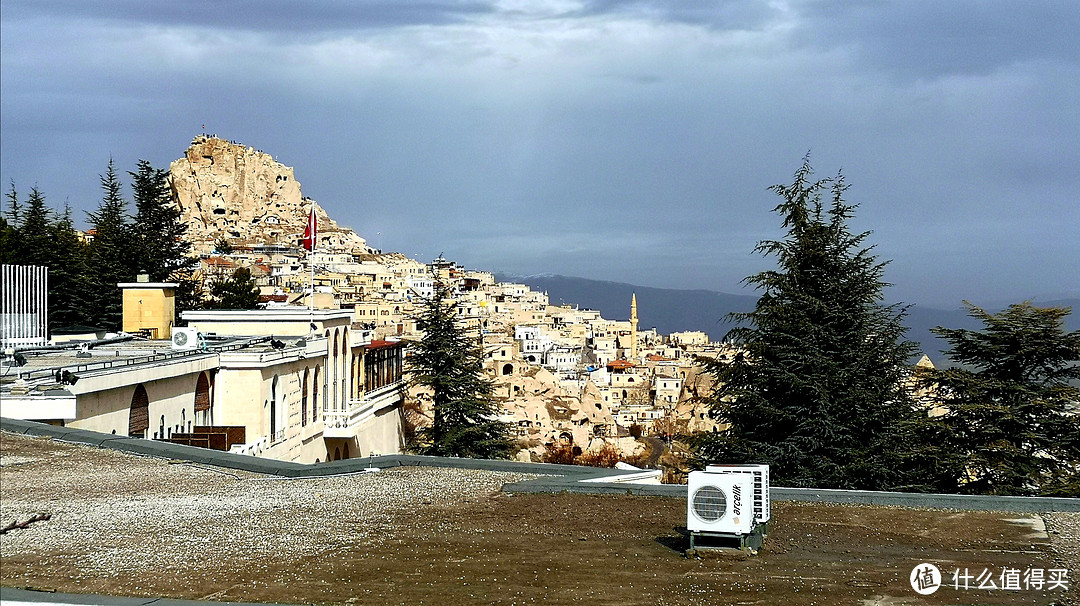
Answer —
315 395
303 398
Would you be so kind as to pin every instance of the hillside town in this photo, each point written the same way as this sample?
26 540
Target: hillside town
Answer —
316 373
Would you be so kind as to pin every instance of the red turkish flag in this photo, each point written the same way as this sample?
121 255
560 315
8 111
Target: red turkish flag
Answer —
311 231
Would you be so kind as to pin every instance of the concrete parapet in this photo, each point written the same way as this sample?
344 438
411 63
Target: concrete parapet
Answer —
553 478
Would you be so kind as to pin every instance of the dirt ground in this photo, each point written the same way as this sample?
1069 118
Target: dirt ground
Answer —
127 525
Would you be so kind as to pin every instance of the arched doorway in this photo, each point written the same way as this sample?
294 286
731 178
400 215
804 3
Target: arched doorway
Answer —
139 414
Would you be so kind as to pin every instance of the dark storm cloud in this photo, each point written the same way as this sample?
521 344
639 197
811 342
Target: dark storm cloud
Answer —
272 16
616 140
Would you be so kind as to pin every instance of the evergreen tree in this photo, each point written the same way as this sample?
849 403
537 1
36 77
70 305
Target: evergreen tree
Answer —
817 388
1010 425
9 228
68 275
35 239
41 237
238 291
158 230
160 235
8 241
222 246
450 364
110 260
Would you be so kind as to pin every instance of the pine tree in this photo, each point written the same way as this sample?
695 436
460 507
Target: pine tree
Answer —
8 242
68 276
43 238
449 363
160 235
817 389
12 244
35 241
238 291
110 260
1010 425
159 232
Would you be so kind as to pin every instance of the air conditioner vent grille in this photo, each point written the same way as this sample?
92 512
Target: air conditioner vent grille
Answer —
710 503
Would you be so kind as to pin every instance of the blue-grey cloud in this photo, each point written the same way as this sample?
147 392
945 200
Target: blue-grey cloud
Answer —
279 17
617 140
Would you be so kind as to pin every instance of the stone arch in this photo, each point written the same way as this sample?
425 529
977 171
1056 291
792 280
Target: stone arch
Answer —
139 413
507 369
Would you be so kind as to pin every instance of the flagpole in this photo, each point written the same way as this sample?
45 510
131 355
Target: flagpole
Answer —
313 226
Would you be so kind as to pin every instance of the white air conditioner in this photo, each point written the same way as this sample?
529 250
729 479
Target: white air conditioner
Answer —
762 509
719 503
185 338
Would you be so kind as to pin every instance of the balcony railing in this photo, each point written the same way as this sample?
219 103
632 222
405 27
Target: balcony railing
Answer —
342 423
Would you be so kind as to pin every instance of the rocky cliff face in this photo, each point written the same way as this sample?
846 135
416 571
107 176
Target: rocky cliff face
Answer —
244 195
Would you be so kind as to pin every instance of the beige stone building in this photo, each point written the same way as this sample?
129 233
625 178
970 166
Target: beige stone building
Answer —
291 384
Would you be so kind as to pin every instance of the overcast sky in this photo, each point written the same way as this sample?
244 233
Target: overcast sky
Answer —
627 141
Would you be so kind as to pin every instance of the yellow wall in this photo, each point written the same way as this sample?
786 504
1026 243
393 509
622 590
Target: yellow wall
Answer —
150 307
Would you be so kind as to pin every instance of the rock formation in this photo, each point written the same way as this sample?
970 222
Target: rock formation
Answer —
228 190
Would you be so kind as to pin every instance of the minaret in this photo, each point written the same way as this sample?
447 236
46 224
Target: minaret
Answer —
633 326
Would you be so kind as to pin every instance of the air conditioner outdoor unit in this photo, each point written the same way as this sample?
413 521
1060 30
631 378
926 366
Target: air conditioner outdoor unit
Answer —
185 338
720 503
728 502
762 508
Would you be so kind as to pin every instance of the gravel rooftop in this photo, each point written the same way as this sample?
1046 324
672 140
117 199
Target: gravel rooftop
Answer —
127 525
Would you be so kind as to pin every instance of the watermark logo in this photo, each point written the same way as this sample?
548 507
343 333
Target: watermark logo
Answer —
1013 579
925 578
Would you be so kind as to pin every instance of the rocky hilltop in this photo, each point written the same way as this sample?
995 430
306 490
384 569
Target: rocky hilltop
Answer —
229 190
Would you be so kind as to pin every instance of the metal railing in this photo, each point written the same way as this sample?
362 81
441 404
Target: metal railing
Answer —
155 357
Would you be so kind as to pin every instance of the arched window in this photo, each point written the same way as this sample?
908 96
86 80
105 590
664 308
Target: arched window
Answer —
273 409
343 373
139 414
315 395
303 397
334 372
508 369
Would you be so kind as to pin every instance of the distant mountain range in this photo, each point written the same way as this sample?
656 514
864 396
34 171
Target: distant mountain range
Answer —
674 310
